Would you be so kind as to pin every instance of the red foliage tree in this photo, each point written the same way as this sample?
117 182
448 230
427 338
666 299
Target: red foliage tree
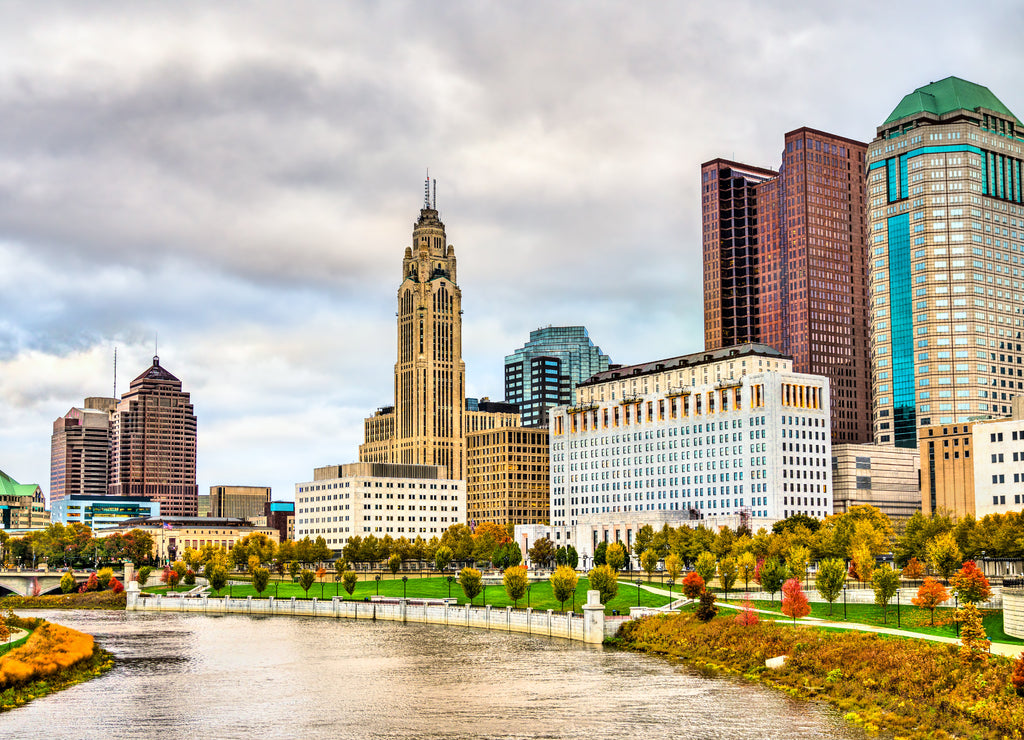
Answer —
693 585
92 584
172 578
913 570
794 600
1017 675
757 570
36 588
116 586
747 616
166 575
970 584
930 595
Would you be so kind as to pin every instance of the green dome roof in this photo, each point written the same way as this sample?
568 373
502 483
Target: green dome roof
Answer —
946 96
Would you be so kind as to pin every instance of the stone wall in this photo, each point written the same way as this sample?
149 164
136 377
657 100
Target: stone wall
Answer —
1013 612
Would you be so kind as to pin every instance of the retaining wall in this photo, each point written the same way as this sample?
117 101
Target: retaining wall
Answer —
591 627
1013 612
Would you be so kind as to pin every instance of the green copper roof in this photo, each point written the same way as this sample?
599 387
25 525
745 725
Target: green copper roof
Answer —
946 96
11 487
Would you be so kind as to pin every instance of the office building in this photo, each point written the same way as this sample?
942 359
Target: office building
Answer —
79 454
508 478
545 371
279 515
428 423
947 470
380 499
153 452
172 535
883 476
22 505
102 512
946 219
239 502
784 265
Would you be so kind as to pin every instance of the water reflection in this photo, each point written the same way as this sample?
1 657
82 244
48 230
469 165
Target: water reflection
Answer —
192 676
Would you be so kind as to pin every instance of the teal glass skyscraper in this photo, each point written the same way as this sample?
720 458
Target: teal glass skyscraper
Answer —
546 370
946 240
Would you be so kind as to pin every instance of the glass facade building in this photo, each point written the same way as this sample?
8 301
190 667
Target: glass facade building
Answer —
547 369
946 225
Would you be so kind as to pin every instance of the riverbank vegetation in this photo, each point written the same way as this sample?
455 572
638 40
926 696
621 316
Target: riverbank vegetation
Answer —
54 657
909 688
73 600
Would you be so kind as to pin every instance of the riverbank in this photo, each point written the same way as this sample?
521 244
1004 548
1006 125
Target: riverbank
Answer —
52 658
909 688
74 600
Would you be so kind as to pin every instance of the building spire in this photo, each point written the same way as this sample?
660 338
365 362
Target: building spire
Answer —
426 191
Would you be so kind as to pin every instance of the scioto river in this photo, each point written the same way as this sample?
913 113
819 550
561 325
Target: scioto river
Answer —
195 677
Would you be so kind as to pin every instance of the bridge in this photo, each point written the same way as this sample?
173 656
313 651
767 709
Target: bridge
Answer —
22 582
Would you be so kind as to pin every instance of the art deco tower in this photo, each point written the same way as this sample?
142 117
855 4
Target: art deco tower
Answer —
426 426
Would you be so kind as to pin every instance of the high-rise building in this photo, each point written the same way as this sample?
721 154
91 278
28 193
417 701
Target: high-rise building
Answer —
784 265
507 476
884 476
239 502
153 452
544 372
22 505
946 218
429 421
79 454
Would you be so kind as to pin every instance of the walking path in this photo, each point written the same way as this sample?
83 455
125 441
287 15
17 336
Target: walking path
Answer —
999 648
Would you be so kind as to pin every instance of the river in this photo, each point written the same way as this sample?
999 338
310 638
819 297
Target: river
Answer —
193 677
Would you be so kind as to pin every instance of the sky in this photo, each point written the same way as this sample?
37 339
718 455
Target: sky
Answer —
241 180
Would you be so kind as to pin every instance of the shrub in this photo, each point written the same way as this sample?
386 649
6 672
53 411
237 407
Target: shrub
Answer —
693 585
116 586
67 583
190 577
172 578
747 615
103 575
50 649
91 584
144 573
1017 675
707 610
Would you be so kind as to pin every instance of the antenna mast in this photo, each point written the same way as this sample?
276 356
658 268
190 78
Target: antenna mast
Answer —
115 372
435 194
426 191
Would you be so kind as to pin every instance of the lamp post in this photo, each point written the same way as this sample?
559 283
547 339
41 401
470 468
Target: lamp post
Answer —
897 607
450 579
529 587
844 601
377 585
638 582
405 580
670 582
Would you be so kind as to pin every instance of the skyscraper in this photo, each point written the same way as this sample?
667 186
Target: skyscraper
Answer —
80 452
545 371
428 423
153 451
784 265
946 219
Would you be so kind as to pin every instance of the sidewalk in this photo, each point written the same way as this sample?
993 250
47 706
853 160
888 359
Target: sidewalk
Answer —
999 648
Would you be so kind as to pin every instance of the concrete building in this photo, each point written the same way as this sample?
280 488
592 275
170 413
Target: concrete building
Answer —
80 451
784 265
947 470
239 502
508 476
22 506
281 516
946 219
429 421
102 512
883 476
730 435
999 464
544 372
153 452
172 535
379 499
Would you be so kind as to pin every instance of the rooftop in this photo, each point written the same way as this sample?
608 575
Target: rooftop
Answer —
946 96
11 487
695 359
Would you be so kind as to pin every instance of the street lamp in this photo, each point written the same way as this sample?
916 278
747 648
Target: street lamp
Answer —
377 585
405 579
670 582
844 601
450 579
638 582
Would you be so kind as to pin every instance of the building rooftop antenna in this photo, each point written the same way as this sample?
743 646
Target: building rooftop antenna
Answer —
426 190
115 372
156 347
435 194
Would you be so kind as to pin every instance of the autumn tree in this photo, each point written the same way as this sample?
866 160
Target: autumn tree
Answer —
693 585
395 563
1017 675
443 557
798 560
306 580
885 581
706 566
862 562
706 610
970 585
930 595
649 561
829 580
67 583
218 578
143 575
643 541
727 572
515 582
913 570
472 582
794 600
542 553
599 553
615 556
260 579
460 540
348 580
973 642
773 575
486 539
673 566
944 555
605 580
563 584
746 564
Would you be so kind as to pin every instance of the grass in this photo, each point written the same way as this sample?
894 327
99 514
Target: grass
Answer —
541 596
8 646
166 589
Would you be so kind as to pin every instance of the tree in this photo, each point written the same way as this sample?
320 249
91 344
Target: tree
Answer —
349 579
798 560
218 578
649 561
727 572
144 572
306 579
442 557
615 555
706 566
190 577
913 570
395 563
1017 675
560 556
973 642
599 553
515 582
773 575
970 584
542 553
67 583
673 566
604 579
796 520
706 610
643 541
693 585
746 564
460 540
885 581
486 539
747 615
321 553
472 583
829 580
862 562
794 600
103 575
944 555
563 584
260 579
572 558
930 595
253 563
293 569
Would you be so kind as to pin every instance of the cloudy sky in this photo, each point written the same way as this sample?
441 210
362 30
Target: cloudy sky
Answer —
242 180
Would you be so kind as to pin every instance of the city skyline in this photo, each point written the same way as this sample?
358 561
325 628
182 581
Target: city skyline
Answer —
244 194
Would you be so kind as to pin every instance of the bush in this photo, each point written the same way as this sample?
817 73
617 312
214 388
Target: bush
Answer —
50 649
91 584
190 577
67 583
116 586
707 610
103 575
1017 675
747 616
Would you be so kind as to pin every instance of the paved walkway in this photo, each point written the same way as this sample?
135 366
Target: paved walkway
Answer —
999 648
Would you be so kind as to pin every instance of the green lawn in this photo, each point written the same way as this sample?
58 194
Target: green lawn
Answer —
164 589
911 618
8 646
436 588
